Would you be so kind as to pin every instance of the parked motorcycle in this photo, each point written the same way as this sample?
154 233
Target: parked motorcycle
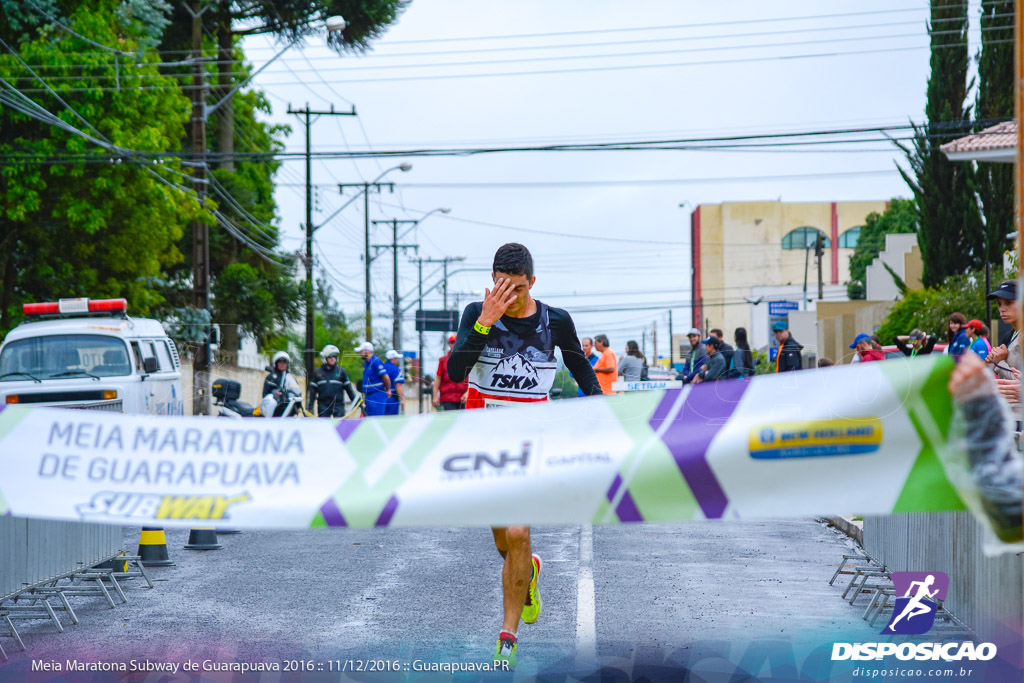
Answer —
226 393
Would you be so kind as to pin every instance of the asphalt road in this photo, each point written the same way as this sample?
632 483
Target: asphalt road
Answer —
633 598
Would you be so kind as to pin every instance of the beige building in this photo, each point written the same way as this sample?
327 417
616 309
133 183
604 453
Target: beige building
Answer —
740 246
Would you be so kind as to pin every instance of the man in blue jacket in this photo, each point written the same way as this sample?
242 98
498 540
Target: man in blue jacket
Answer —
393 365
376 382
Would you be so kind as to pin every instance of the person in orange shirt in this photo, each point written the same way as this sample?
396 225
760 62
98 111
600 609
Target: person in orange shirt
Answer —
607 366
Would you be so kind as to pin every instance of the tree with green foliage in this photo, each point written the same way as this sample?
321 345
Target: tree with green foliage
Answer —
899 217
995 101
243 189
929 309
77 224
287 20
950 233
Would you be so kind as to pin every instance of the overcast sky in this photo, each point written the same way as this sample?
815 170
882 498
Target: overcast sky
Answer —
434 80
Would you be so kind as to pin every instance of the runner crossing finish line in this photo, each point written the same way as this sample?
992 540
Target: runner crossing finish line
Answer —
506 347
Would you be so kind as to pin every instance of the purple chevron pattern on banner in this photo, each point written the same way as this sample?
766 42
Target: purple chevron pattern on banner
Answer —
626 510
346 427
388 512
706 408
331 514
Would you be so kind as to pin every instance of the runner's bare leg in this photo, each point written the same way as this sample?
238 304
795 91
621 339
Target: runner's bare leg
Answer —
514 545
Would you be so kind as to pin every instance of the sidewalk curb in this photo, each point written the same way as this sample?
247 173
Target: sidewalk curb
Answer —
852 528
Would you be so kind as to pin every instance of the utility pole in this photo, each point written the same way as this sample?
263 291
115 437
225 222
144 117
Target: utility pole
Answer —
671 341
419 266
655 355
819 251
200 230
396 332
366 235
309 117
444 261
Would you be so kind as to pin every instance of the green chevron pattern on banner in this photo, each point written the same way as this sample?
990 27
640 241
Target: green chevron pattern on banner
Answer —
928 487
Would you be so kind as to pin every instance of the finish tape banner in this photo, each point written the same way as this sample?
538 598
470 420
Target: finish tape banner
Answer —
867 438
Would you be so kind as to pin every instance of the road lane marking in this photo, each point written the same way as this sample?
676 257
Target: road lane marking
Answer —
586 616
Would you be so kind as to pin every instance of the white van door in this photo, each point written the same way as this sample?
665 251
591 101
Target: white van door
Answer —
167 382
144 349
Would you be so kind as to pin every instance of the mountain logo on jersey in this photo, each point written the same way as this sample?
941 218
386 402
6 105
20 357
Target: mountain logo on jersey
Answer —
514 372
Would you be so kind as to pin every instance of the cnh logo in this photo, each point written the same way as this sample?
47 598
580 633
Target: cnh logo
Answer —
475 462
914 613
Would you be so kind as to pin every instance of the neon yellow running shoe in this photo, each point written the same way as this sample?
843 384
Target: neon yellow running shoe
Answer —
506 651
531 610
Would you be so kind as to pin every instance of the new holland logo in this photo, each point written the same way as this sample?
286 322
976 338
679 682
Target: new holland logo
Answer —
514 372
155 506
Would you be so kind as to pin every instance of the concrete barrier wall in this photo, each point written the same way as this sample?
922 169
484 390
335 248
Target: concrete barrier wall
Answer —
32 551
986 593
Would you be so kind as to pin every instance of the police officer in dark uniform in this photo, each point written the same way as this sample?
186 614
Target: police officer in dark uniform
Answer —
278 384
330 384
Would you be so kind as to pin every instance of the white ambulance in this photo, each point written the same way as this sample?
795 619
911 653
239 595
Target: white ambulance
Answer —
85 353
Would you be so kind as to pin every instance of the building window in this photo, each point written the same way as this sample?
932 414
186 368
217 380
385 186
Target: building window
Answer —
848 240
804 238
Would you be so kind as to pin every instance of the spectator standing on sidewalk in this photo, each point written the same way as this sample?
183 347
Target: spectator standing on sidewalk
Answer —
956 336
1007 357
726 350
917 343
632 365
449 395
607 366
588 350
697 351
865 349
788 358
977 333
715 367
742 359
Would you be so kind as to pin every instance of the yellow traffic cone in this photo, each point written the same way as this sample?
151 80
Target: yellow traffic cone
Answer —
153 548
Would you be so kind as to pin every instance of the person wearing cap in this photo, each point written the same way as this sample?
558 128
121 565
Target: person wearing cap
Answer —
1007 357
977 333
865 349
330 384
396 401
917 343
788 358
715 365
449 395
376 382
697 351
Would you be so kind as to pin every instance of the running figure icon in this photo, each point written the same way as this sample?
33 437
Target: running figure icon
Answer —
914 612
915 607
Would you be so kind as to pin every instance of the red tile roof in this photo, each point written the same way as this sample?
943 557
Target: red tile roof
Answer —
1002 136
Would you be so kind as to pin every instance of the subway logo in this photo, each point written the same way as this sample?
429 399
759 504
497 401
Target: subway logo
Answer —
815 438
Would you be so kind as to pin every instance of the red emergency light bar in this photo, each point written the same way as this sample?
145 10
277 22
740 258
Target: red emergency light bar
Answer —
76 306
